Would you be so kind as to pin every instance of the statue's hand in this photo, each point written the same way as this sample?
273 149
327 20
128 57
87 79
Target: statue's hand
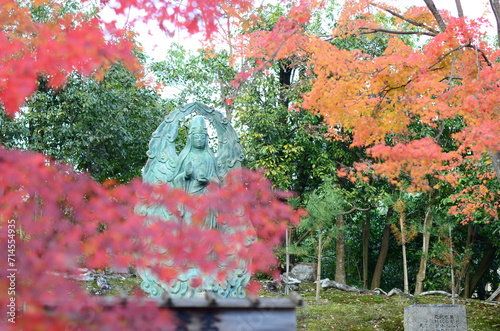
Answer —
201 177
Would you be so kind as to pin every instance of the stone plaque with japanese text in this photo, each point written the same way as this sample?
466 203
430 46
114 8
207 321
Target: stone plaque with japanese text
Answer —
437 317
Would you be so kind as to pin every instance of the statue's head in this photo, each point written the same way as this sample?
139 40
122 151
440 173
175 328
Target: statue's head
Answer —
198 132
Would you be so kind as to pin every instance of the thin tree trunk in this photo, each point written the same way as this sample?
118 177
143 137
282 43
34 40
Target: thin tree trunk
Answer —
382 256
366 244
340 276
403 246
495 155
495 6
426 236
452 262
287 244
405 270
318 270
495 162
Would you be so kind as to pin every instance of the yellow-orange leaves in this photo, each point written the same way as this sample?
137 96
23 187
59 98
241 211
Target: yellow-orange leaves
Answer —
381 99
363 94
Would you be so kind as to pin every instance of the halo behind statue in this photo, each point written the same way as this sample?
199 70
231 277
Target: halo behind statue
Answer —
163 158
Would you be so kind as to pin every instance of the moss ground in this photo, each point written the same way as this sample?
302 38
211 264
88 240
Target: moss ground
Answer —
338 310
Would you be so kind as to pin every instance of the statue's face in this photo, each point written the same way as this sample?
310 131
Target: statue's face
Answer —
199 140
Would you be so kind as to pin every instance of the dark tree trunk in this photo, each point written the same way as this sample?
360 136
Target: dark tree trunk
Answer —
471 238
384 249
285 77
460 11
483 266
432 7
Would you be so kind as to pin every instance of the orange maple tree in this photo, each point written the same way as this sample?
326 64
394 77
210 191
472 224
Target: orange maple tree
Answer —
451 75
54 220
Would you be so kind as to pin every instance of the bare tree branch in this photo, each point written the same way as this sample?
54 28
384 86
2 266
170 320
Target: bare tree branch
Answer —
353 209
303 236
449 78
494 295
459 8
432 7
459 48
482 53
396 32
412 22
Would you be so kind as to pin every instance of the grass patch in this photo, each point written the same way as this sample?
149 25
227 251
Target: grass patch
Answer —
119 286
338 310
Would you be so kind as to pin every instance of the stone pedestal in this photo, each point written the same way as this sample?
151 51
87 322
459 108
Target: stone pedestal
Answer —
435 318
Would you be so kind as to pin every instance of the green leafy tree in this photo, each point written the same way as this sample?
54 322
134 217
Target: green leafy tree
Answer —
102 127
291 145
325 205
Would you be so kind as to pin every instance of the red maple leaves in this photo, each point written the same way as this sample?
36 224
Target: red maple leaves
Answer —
65 220
59 220
65 42
54 48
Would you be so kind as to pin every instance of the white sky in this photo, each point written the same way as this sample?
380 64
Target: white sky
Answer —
471 8
157 43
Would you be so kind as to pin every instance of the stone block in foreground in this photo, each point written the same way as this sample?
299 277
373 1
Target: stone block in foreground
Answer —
439 317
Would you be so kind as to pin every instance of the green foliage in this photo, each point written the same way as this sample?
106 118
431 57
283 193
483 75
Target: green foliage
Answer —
200 76
290 145
293 148
102 127
324 205
45 11
9 130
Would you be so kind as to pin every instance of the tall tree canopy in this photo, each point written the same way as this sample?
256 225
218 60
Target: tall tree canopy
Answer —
449 81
